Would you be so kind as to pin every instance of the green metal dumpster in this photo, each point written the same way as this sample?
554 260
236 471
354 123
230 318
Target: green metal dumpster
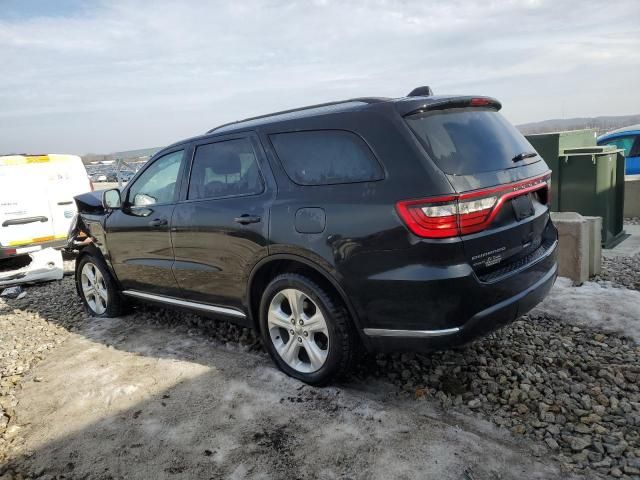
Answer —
591 182
551 145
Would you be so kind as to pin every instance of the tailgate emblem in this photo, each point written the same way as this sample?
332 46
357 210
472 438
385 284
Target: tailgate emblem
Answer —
489 253
523 186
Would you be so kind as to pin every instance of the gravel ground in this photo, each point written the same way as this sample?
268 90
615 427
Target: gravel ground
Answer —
621 272
573 391
26 337
129 399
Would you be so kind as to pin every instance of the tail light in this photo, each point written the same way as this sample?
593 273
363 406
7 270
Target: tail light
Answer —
548 191
464 213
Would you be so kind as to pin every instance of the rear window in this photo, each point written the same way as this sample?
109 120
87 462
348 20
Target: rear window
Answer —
326 157
464 141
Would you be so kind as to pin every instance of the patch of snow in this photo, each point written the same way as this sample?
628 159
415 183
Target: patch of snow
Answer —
594 305
240 472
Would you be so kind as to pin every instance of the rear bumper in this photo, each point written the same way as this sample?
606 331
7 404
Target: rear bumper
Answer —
8 252
480 324
419 307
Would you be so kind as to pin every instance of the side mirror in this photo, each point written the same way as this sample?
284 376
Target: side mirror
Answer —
111 199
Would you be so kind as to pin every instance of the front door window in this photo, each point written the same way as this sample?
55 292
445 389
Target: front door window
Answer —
157 184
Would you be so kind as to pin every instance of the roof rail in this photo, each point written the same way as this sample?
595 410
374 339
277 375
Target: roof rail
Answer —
301 109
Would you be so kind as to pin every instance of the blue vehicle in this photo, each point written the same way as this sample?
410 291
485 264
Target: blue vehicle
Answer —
628 139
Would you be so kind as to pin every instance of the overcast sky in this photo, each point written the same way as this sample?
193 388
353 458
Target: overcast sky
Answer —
80 76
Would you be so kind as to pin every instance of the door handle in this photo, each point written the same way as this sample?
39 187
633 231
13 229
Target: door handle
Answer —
246 219
24 221
158 222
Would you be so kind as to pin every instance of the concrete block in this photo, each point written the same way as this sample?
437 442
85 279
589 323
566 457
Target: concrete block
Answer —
632 196
573 245
595 245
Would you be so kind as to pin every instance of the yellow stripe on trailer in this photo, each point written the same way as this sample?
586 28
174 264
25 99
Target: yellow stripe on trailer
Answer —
12 160
32 241
37 158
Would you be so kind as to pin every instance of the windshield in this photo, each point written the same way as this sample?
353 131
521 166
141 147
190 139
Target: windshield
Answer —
625 143
464 141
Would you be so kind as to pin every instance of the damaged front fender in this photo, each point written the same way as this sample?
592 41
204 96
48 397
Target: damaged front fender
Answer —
90 213
77 236
87 234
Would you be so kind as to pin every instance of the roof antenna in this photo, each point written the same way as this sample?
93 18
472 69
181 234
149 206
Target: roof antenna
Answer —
421 92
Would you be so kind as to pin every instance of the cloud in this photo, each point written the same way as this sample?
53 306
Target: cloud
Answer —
120 74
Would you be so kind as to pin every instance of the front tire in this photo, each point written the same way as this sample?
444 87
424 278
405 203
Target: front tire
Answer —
306 329
97 288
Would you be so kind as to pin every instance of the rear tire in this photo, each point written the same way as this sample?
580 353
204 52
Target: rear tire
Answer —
97 288
306 329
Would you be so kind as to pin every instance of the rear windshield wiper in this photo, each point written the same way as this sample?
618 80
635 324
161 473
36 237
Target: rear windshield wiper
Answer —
523 155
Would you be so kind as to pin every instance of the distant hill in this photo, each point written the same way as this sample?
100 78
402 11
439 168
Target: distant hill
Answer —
142 153
600 124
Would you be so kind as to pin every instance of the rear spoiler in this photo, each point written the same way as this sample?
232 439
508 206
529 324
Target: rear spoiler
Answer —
444 104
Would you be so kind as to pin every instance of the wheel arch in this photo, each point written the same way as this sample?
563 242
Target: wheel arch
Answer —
114 302
273 265
93 251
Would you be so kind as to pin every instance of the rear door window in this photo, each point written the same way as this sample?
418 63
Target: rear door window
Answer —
326 157
225 169
464 141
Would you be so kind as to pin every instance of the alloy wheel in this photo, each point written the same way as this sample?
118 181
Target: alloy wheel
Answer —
94 288
298 330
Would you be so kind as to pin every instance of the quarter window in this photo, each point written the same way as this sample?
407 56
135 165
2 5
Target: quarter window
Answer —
157 184
225 169
326 157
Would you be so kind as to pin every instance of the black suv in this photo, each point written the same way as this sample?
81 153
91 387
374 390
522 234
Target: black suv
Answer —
416 223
